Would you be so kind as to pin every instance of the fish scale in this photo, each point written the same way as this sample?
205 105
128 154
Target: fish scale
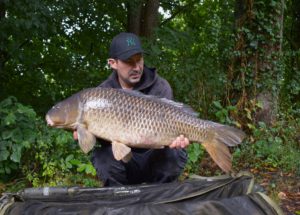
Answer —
132 119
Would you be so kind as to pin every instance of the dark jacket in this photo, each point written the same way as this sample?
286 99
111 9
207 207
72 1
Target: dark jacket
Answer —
151 84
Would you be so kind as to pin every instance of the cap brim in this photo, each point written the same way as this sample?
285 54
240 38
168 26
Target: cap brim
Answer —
126 55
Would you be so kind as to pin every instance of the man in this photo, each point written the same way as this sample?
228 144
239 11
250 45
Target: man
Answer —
147 165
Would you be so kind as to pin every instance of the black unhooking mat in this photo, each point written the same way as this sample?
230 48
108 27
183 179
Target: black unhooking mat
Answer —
211 195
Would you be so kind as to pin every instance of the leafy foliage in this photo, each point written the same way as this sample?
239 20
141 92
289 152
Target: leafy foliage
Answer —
44 156
272 147
195 155
16 125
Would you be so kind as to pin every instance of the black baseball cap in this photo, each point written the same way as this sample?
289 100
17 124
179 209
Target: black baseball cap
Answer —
124 45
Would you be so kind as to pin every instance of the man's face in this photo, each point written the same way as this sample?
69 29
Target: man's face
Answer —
129 71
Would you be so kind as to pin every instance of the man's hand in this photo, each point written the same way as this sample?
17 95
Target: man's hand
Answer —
75 135
180 142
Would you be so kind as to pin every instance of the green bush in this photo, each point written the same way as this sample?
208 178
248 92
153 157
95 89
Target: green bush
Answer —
17 125
45 156
195 155
271 146
274 146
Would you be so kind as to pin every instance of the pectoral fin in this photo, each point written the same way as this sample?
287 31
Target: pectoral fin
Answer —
121 151
86 139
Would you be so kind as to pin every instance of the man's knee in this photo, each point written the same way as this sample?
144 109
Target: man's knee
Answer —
109 170
176 158
168 165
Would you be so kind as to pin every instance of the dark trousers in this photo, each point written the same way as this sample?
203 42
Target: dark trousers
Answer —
146 165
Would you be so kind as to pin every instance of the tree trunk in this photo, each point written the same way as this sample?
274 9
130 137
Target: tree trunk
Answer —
134 11
150 18
142 17
253 73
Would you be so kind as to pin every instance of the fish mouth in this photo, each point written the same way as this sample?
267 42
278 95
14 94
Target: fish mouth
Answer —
60 125
49 121
52 124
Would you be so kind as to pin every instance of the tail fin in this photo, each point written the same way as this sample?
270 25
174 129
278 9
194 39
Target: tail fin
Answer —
220 137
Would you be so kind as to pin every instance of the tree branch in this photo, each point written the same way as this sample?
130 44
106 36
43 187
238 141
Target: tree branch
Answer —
177 11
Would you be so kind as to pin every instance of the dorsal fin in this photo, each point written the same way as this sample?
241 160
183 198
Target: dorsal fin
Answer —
183 107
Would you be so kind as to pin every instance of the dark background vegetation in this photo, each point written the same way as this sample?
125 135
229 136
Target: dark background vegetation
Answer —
233 61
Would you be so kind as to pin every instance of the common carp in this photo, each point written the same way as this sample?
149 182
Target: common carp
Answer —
131 119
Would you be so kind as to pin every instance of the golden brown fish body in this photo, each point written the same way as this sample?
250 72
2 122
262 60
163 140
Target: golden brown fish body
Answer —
128 118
